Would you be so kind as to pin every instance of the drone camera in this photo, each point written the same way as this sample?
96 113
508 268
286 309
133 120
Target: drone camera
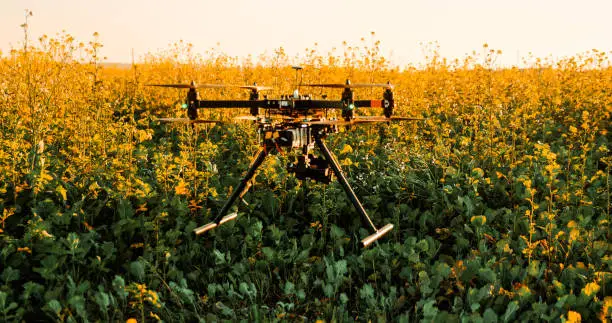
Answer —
314 168
294 138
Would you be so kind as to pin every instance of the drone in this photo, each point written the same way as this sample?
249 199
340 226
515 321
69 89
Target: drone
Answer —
294 122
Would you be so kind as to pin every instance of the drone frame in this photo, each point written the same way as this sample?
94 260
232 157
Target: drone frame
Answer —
298 131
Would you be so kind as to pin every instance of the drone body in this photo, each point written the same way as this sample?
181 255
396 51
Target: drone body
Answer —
303 126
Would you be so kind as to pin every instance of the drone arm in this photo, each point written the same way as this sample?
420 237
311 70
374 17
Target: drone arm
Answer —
228 104
373 103
238 192
298 104
319 104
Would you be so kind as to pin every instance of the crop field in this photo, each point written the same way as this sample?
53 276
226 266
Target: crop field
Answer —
500 198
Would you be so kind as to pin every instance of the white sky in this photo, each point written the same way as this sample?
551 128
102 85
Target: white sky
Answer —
543 27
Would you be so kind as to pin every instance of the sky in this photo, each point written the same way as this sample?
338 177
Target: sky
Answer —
556 28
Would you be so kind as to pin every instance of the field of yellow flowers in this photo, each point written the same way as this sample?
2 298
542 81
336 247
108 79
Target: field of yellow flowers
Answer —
500 198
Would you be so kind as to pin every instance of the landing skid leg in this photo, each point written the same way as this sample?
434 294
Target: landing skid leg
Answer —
378 233
239 191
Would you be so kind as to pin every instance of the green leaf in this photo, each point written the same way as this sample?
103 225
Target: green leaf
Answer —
301 295
430 310
512 307
490 316
340 267
442 269
534 269
366 292
423 245
219 257
224 309
3 297
467 202
55 306
243 288
328 290
119 287
475 306
137 269
268 253
32 288
289 288
9 274
77 303
343 298
336 232
487 275
125 210
102 300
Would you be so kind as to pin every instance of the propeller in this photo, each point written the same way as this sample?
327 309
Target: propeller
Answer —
247 118
385 119
261 120
349 85
194 85
186 120
359 120
255 87
264 119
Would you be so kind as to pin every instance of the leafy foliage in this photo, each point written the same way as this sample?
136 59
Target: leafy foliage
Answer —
500 200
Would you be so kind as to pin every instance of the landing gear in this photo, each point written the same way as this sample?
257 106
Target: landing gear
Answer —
308 167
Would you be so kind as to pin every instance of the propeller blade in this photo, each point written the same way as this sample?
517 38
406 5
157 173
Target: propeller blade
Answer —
176 86
247 118
212 86
362 85
256 87
385 119
252 118
193 85
327 123
206 121
359 120
350 86
406 119
186 120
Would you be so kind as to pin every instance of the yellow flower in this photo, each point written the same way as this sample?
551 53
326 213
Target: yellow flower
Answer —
590 289
346 162
573 317
155 316
573 129
478 172
606 308
478 220
574 234
131 320
524 291
584 126
347 149
25 249
181 188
